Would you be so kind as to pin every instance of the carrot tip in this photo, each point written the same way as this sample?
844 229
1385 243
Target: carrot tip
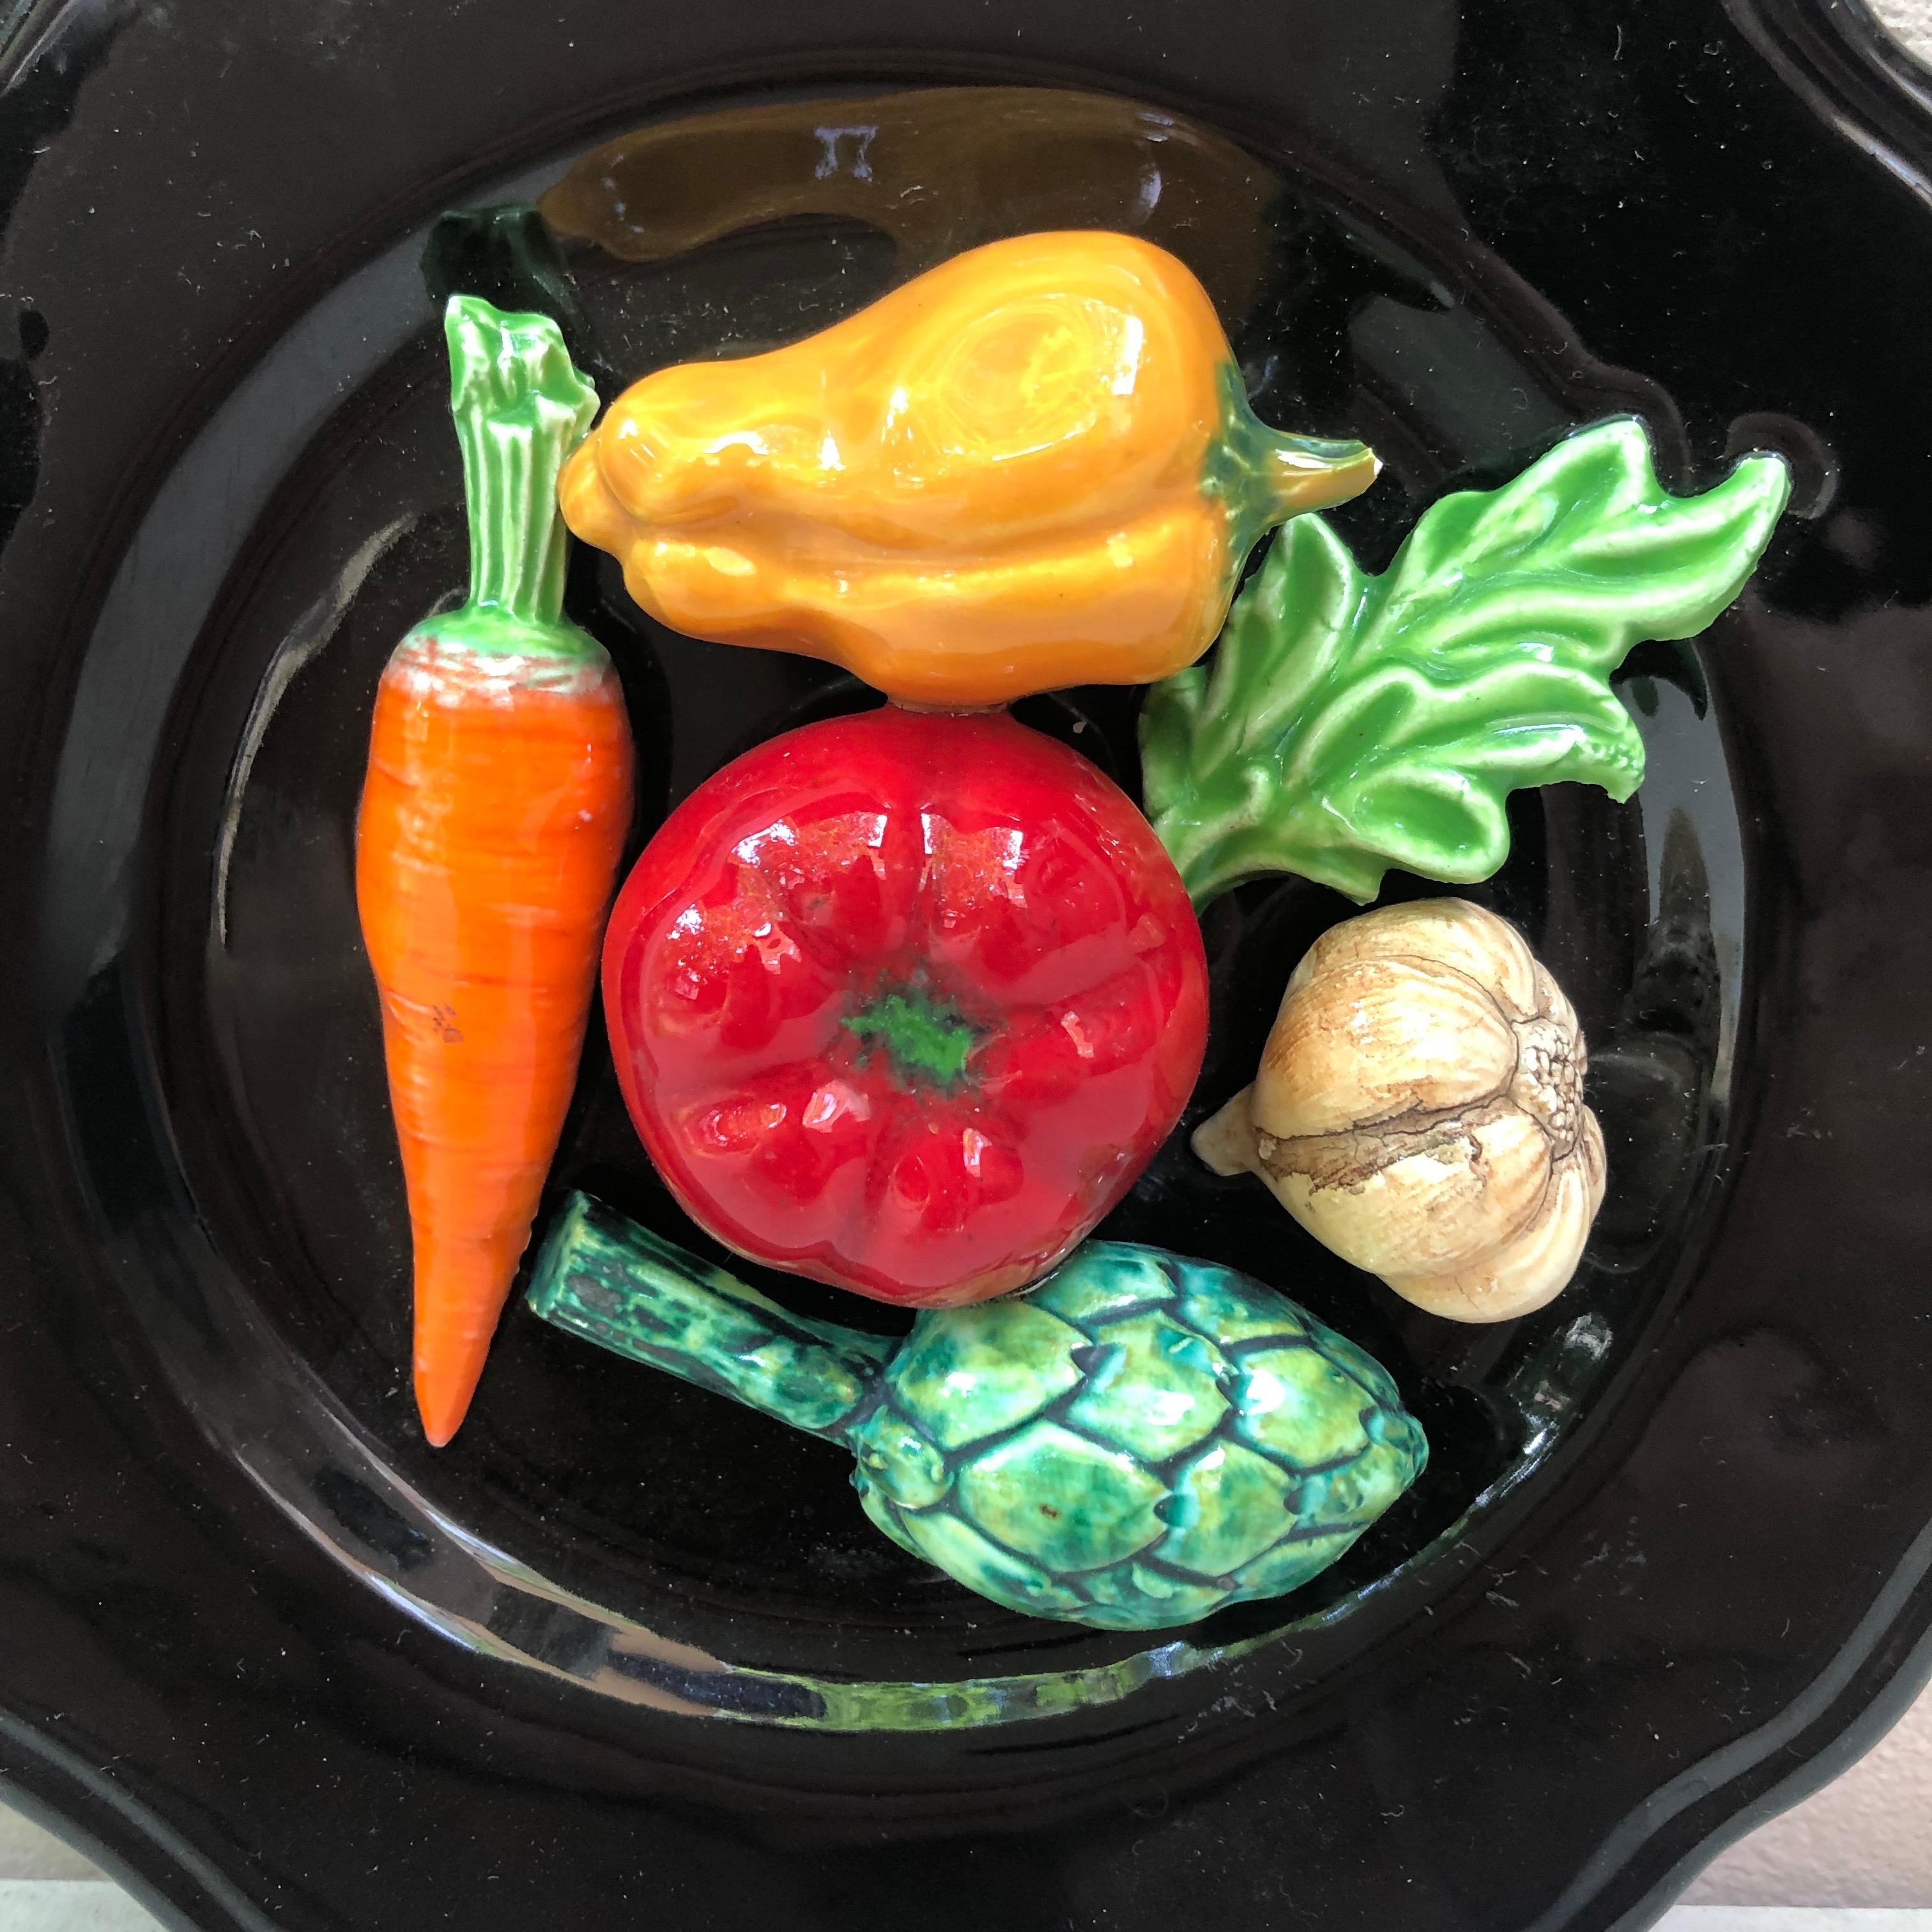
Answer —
441 1409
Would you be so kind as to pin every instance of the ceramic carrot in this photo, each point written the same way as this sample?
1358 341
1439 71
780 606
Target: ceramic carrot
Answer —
498 795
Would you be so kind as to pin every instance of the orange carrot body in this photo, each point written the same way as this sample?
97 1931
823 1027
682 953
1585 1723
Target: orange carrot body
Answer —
498 797
493 817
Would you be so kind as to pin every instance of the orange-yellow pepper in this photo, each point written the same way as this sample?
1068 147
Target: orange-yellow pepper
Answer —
1033 467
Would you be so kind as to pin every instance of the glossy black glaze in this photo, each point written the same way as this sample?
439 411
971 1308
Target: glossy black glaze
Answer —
287 1665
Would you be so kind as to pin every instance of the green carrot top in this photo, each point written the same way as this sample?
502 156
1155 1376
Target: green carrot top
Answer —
521 407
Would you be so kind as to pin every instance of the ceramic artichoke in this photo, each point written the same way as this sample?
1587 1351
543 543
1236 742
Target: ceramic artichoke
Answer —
1136 1442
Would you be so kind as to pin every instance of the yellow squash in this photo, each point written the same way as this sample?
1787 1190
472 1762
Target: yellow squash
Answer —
1033 466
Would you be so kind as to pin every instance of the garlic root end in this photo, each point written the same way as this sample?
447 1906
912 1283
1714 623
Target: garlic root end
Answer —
1224 1142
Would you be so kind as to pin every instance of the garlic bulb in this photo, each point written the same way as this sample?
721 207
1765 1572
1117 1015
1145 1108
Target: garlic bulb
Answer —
1419 1110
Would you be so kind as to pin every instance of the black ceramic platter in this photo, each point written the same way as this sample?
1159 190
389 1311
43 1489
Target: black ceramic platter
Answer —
621 1647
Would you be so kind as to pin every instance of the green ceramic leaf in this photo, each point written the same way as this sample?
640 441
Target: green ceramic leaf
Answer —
1350 723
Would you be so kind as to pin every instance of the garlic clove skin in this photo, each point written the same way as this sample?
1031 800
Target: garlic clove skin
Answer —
1428 1200
1419 1110
1532 1270
1450 933
1371 1041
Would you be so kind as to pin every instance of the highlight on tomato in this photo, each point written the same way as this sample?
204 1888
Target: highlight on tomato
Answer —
904 1002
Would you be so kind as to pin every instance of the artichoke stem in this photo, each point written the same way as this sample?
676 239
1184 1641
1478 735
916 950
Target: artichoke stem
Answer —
602 1276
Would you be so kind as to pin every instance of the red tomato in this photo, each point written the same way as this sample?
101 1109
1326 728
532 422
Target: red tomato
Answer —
904 1002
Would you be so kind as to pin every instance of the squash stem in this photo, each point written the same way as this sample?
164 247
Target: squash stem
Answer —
1265 476
520 407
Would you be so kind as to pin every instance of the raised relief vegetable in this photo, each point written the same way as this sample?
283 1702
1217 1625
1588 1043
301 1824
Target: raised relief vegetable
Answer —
1033 466
1419 1110
1138 1442
1349 723
495 805
904 1002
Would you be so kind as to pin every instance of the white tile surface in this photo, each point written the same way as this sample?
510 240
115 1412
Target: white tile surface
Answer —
27 1851
1789 1918
1911 20
69 1905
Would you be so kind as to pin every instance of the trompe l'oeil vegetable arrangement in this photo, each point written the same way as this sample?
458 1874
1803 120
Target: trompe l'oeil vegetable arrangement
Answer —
907 1001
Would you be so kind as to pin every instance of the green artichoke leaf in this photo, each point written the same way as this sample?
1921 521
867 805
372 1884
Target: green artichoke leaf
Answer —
1352 722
